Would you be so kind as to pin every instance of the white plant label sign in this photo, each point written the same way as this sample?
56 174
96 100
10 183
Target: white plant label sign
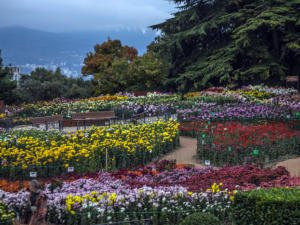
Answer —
70 169
33 174
207 162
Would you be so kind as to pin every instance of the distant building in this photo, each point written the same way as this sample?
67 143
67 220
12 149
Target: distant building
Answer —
15 72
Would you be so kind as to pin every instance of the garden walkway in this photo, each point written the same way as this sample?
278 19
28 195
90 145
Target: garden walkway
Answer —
186 154
292 165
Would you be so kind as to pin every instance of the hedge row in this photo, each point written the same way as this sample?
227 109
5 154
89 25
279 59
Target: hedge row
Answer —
276 206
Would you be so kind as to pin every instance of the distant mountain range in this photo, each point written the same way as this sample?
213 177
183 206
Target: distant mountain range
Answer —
28 48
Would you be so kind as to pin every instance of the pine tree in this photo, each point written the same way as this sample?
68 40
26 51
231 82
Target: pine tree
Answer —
230 42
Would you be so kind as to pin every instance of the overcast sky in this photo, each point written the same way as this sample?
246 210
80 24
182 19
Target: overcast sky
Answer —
77 15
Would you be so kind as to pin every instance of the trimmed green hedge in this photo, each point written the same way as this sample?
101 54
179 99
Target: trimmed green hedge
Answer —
276 206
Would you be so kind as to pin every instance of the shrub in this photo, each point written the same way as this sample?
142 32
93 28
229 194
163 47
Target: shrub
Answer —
201 219
276 206
6 216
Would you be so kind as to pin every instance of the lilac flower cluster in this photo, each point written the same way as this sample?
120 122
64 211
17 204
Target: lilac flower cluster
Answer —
291 102
226 94
148 108
271 90
167 177
235 111
292 105
114 195
123 94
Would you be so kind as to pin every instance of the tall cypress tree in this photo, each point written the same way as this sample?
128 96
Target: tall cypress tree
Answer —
230 42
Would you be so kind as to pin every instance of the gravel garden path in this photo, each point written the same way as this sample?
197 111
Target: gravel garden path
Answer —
186 153
292 165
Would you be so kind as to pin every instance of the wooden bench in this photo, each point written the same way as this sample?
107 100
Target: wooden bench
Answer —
93 118
140 93
293 79
138 116
47 120
2 106
95 115
3 124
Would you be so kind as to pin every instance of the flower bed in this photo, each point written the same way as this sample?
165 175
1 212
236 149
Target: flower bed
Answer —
237 111
290 101
200 179
6 216
252 95
166 173
215 89
271 90
164 191
119 146
164 205
244 178
228 105
66 107
89 202
237 143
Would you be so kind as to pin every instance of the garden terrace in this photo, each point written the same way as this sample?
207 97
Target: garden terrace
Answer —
243 129
239 142
119 146
159 191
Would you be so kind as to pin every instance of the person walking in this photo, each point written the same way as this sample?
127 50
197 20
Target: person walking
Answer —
37 205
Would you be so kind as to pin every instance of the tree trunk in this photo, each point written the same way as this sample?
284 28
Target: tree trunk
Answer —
275 36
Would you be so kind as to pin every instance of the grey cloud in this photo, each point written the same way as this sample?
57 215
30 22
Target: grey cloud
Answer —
72 15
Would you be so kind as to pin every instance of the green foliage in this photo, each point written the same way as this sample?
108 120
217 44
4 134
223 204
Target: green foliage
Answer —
201 219
267 206
109 64
41 85
118 68
6 216
148 73
230 42
6 85
45 84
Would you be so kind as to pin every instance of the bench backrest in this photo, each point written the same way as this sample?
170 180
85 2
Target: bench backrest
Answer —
2 106
140 93
292 79
94 115
46 119
139 116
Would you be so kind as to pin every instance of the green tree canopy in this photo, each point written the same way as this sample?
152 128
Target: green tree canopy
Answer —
107 64
118 68
230 42
148 73
7 86
43 84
